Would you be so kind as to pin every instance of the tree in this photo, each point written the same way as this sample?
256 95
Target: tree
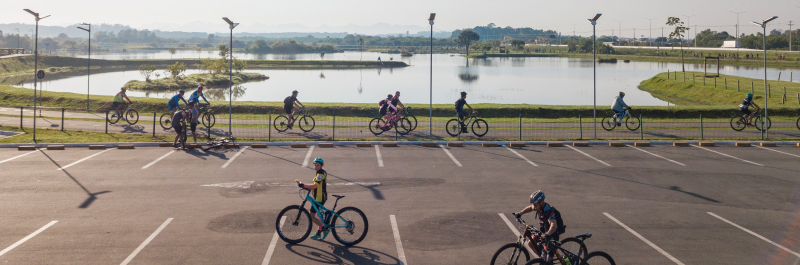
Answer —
172 52
679 31
223 51
518 44
322 55
176 69
146 71
360 46
466 37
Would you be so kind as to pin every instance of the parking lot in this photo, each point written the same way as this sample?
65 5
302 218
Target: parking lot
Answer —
425 205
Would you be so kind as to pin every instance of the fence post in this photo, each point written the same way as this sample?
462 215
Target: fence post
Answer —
704 80
752 90
269 128
106 121
726 83
154 124
715 82
641 127
667 73
580 121
520 127
701 127
693 78
762 126
737 86
20 117
62 117
333 138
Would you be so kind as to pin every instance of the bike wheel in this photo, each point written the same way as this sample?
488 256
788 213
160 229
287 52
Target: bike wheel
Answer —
306 123
403 126
598 258
281 123
510 254
413 121
480 127
296 226
767 123
738 123
376 126
353 230
165 121
208 119
798 123
538 262
111 117
575 246
132 116
453 127
608 123
632 122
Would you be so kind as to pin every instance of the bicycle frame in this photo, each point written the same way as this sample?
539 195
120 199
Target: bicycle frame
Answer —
318 207
625 114
526 236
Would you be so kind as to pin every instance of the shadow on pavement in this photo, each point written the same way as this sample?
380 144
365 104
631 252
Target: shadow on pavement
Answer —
342 255
92 196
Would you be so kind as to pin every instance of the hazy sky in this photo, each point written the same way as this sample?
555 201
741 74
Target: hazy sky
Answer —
204 15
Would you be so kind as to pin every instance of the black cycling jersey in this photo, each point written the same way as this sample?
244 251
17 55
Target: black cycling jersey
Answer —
289 102
460 104
176 119
746 103
395 101
550 213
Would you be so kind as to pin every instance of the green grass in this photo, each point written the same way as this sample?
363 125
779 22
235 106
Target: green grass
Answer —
68 136
725 90
192 81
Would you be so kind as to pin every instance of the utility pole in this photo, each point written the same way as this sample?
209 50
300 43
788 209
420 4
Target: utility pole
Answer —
737 22
651 30
688 20
620 28
790 35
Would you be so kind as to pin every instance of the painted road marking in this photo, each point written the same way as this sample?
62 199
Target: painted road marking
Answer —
272 244
159 159
526 159
785 153
378 153
308 156
755 234
450 155
28 153
9 248
670 160
400 253
84 159
748 161
516 232
579 151
146 241
249 184
644 239
234 157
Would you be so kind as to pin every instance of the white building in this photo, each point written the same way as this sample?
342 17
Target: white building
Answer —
731 44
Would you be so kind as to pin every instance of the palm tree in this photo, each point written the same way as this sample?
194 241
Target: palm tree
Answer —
360 46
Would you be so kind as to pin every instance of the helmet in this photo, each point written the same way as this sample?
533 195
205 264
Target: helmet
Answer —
397 93
463 93
537 196
749 95
389 96
181 91
622 93
319 159
192 102
122 89
200 87
294 92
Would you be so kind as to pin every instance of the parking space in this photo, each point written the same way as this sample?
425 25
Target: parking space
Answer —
659 204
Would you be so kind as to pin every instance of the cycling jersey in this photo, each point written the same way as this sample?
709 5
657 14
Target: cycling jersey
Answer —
320 194
396 101
289 102
174 103
176 119
619 105
460 104
119 96
550 213
197 96
746 103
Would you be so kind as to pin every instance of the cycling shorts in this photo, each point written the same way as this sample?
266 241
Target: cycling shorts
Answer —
178 128
315 211
288 109
745 111
382 112
462 113
115 104
172 107
194 127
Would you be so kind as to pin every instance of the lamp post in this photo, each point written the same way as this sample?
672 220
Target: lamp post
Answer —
737 23
88 61
651 30
619 35
688 20
430 120
763 25
35 65
17 38
594 63
231 25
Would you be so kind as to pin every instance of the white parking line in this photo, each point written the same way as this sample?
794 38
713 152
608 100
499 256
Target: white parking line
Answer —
378 153
755 234
645 240
9 248
159 159
516 232
308 156
146 241
670 160
234 157
272 244
400 253
785 153
450 155
526 159
579 151
84 159
28 153
748 161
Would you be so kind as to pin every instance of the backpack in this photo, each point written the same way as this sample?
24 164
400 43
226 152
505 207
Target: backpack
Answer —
562 228
381 103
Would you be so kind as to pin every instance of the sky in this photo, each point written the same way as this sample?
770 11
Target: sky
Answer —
268 16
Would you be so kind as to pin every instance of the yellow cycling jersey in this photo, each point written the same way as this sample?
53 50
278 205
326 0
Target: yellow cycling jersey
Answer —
321 180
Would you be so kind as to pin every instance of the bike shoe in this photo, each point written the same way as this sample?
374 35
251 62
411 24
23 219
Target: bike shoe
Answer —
325 234
317 236
619 124
751 125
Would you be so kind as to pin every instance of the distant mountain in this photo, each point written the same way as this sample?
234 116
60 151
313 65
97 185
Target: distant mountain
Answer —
375 29
53 31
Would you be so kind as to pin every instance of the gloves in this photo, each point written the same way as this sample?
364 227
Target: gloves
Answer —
300 184
518 215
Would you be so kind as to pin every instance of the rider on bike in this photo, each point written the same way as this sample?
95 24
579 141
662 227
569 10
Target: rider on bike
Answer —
396 100
319 190
291 105
463 115
619 108
550 221
744 108
387 107
174 102
197 95
116 103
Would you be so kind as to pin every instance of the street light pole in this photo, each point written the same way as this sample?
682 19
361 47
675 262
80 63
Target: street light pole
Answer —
35 66
17 38
230 74
619 34
688 23
430 106
651 30
737 22
594 63
763 25
88 62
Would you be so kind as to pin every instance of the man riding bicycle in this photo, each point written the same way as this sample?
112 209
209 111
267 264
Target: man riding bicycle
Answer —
396 100
387 107
174 102
463 115
117 105
744 108
319 190
550 221
291 105
197 95
619 108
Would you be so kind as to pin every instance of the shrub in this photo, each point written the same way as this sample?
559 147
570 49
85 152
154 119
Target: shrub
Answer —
147 70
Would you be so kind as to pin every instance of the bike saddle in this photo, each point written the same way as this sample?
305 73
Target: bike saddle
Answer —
584 236
338 196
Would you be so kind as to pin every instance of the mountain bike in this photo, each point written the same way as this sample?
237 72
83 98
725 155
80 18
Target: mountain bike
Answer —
207 118
738 123
129 115
572 248
182 140
632 122
454 127
306 122
348 225
401 124
411 118
220 142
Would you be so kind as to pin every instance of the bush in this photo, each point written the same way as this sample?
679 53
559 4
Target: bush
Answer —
147 70
176 69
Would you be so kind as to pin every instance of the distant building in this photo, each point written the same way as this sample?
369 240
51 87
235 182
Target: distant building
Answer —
731 44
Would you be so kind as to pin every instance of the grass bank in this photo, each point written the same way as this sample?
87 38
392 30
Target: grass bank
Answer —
510 55
725 90
192 81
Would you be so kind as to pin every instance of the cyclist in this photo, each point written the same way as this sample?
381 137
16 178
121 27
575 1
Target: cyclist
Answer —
197 95
174 103
619 108
291 105
193 123
116 103
550 222
387 108
463 115
319 190
396 100
176 124
744 108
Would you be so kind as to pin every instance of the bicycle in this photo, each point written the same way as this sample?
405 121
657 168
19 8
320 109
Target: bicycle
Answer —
411 118
349 230
306 122
220 142
454 126
632 122
182 141
207 118
379 125
512 252
131 115
738 123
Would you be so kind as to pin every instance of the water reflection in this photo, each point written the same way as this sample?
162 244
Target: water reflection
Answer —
221 93
468 77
